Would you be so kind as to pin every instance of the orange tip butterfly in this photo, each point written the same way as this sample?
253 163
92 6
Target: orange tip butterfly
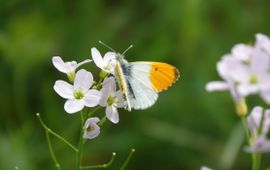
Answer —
141 81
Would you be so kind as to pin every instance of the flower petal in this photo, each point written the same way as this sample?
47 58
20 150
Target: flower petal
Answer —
92 98
108 57
266 96
97 58
263 42
64 89
94 130
259 145
83 80
254 118
73 105
216 86
59 64
112 114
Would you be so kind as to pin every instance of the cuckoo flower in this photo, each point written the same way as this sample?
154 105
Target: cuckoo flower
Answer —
67 67
91 129
107 63
259 124
79 94
245 70
111 99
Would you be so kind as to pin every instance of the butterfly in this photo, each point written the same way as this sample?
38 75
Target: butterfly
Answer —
141 81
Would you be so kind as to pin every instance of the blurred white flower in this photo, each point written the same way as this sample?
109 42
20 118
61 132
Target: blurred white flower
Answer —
69 67
245 71
111 99
91 129
259 145
226 68
263 42
205 168
259 124
254 120
80 94
107 63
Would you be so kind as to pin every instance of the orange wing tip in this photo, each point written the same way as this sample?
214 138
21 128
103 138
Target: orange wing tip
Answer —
163 76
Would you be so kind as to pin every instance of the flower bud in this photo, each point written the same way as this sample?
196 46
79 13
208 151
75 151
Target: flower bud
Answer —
241 107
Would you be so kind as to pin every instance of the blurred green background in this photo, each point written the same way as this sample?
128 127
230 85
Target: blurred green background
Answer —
185 129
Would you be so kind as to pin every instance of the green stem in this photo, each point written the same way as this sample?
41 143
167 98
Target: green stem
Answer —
93 111
51 150
128 159
47 133
81 142
106 165
243 119
55 134
102 121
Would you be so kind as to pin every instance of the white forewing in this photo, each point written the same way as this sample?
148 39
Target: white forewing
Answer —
144 95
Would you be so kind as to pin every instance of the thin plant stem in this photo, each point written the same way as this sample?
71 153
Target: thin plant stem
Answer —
106 165
244 123
51 150
102 121
81 142
49 142
93 111
55 134
128 159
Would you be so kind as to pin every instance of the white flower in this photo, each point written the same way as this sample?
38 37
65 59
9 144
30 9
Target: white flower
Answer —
91 129
107 63
263 42
67 67
78 95
245 71
254 120
225 69
111 99
205 168
259 124
259 145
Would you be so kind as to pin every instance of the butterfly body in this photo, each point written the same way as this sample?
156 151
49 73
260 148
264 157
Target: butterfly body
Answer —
141 81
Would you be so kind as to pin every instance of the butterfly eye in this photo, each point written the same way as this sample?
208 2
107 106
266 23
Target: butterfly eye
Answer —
156 69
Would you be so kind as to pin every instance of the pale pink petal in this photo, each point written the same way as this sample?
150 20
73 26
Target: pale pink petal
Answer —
260 61
216 86
108 57
242 52
104 96
259 145
73 105
83 80
109 83
71 66
254 118
112 114
64 89
95 129
266 96
92 98
247 89
59 64
263 42
97 58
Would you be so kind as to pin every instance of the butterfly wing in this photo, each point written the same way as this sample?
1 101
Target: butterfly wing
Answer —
147 79
155 75
140 82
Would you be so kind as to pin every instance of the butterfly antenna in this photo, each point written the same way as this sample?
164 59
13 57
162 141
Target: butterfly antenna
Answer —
127 49
106 46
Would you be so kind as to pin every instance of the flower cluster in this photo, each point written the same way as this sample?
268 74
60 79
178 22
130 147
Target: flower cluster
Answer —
82 91
259 126
245 70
